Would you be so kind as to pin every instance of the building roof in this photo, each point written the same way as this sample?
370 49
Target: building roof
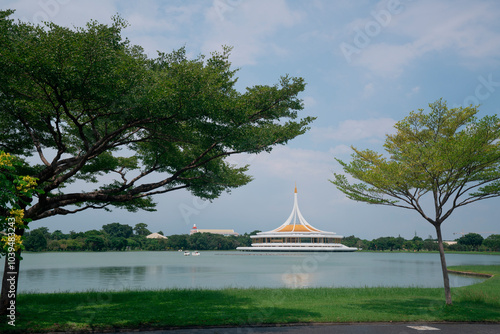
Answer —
156 236
212 230
216 231
295 222
296 228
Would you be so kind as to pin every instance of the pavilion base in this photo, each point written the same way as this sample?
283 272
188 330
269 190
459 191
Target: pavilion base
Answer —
296 249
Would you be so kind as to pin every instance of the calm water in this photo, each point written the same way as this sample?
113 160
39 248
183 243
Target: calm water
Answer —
51 272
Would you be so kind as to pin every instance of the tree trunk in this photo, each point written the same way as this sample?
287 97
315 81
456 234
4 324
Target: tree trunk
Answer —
9 285
447 290
10 281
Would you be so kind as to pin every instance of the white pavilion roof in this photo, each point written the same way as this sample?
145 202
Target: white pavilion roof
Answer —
296 223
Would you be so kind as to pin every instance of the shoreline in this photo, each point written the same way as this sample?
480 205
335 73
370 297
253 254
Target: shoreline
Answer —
235 250
470 273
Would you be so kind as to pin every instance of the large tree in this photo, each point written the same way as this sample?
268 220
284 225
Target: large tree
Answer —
472 240
141 229
118 230
447 154
83 106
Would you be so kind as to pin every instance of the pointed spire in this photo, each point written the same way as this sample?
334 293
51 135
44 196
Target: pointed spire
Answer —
296 222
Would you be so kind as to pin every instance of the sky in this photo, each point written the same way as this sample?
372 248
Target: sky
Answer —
367 65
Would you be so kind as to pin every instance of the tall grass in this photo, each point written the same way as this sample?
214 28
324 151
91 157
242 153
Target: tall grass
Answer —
487 293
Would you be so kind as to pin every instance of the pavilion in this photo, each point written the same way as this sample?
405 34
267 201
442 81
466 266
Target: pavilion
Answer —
297 235
156 236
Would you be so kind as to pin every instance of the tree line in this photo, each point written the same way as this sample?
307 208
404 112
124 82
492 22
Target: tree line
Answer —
468 242
123 237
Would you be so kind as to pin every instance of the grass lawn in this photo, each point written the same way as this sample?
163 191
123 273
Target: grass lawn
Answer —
239 307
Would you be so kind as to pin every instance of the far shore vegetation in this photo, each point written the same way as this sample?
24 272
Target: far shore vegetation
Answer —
185 308
123 237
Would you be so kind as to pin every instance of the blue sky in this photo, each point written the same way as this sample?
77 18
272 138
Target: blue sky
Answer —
367 64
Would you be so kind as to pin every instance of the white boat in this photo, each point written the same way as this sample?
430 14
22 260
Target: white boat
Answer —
187 253
196 253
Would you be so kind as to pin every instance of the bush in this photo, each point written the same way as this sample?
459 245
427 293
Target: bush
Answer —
492 242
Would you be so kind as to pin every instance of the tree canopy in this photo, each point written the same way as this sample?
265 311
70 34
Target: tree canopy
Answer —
471 239
97 124
15 191
492 242
448 154
85 104
118 230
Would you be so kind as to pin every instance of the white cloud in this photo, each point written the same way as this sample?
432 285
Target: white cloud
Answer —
353 130
248 26
368 90
61 12
414 90
309 102
285 162
469 30
340 150
385 59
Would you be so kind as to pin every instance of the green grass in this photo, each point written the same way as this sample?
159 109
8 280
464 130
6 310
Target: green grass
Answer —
432 252
237 307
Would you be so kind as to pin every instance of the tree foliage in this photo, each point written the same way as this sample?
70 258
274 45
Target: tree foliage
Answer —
15 191
91 106
83 104
110 238
141 229
492 242
387 243
118 230
37 241
448 154
473 240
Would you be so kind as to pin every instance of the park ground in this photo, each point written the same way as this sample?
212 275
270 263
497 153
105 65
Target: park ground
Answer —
175 308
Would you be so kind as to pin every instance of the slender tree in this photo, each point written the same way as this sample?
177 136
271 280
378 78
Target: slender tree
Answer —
86 105
448 155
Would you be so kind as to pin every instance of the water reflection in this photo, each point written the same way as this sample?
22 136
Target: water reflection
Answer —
297 280
50 272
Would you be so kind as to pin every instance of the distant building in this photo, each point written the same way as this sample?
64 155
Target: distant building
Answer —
214 231
156 236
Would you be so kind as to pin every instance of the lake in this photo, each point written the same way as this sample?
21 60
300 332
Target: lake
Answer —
82 271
